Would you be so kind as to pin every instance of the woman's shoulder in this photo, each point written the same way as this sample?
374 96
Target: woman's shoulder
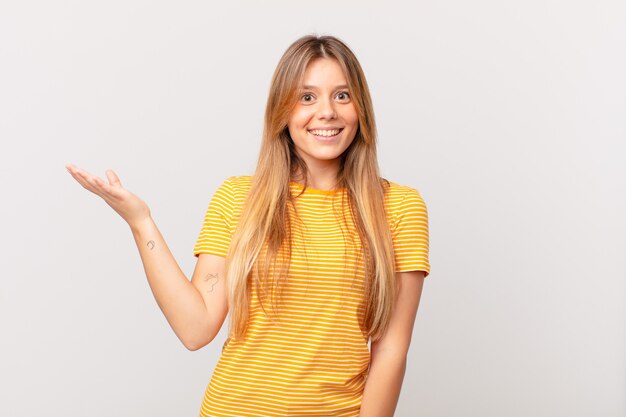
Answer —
240 181
235 186
396 190
402 197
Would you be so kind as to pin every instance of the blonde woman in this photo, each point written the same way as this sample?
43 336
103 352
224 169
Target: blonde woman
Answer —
314 256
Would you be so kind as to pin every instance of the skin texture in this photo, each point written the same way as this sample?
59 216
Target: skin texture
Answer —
212 278
325 104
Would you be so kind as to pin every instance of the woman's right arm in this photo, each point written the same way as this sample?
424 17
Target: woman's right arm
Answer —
195 310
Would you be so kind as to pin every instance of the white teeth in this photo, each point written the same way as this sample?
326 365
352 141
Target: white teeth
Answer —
325 132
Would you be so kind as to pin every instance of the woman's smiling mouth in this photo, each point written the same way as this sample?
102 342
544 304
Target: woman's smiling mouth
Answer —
325 134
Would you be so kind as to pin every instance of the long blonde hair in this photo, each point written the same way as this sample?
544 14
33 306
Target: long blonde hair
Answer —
264 225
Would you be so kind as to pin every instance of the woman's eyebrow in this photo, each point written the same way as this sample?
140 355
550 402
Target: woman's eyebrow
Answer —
312 87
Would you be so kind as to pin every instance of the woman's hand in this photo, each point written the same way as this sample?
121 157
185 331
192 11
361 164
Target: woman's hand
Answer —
132 209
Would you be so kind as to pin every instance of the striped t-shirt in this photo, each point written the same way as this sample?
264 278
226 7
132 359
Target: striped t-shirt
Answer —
314 361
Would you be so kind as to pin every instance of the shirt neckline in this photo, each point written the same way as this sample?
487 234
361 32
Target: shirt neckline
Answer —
299 187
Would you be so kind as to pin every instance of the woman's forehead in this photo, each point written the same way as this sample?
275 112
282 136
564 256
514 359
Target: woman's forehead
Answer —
323 73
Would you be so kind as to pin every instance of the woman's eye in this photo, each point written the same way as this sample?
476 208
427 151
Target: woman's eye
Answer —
309 97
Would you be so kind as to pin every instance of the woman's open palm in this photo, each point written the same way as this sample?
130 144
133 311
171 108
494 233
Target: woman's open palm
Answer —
132 209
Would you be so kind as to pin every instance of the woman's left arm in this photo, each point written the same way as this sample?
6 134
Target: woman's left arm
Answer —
389 354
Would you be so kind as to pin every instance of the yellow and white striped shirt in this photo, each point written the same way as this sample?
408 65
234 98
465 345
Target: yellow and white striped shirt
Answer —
314 361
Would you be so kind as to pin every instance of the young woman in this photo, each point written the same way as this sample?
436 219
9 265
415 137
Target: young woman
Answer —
313 256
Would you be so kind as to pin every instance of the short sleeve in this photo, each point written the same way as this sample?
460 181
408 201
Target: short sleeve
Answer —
410 234
215 233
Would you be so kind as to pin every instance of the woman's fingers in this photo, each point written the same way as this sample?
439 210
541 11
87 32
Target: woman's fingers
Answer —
113 178
82 177
92 183
126 204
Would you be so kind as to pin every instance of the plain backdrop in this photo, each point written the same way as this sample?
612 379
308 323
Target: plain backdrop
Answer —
508 117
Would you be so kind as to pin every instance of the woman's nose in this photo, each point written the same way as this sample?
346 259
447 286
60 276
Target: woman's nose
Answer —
327 110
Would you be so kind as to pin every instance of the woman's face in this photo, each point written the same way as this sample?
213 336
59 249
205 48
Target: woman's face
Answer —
324 121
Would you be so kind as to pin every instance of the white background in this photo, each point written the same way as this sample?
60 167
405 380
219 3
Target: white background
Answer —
508 117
